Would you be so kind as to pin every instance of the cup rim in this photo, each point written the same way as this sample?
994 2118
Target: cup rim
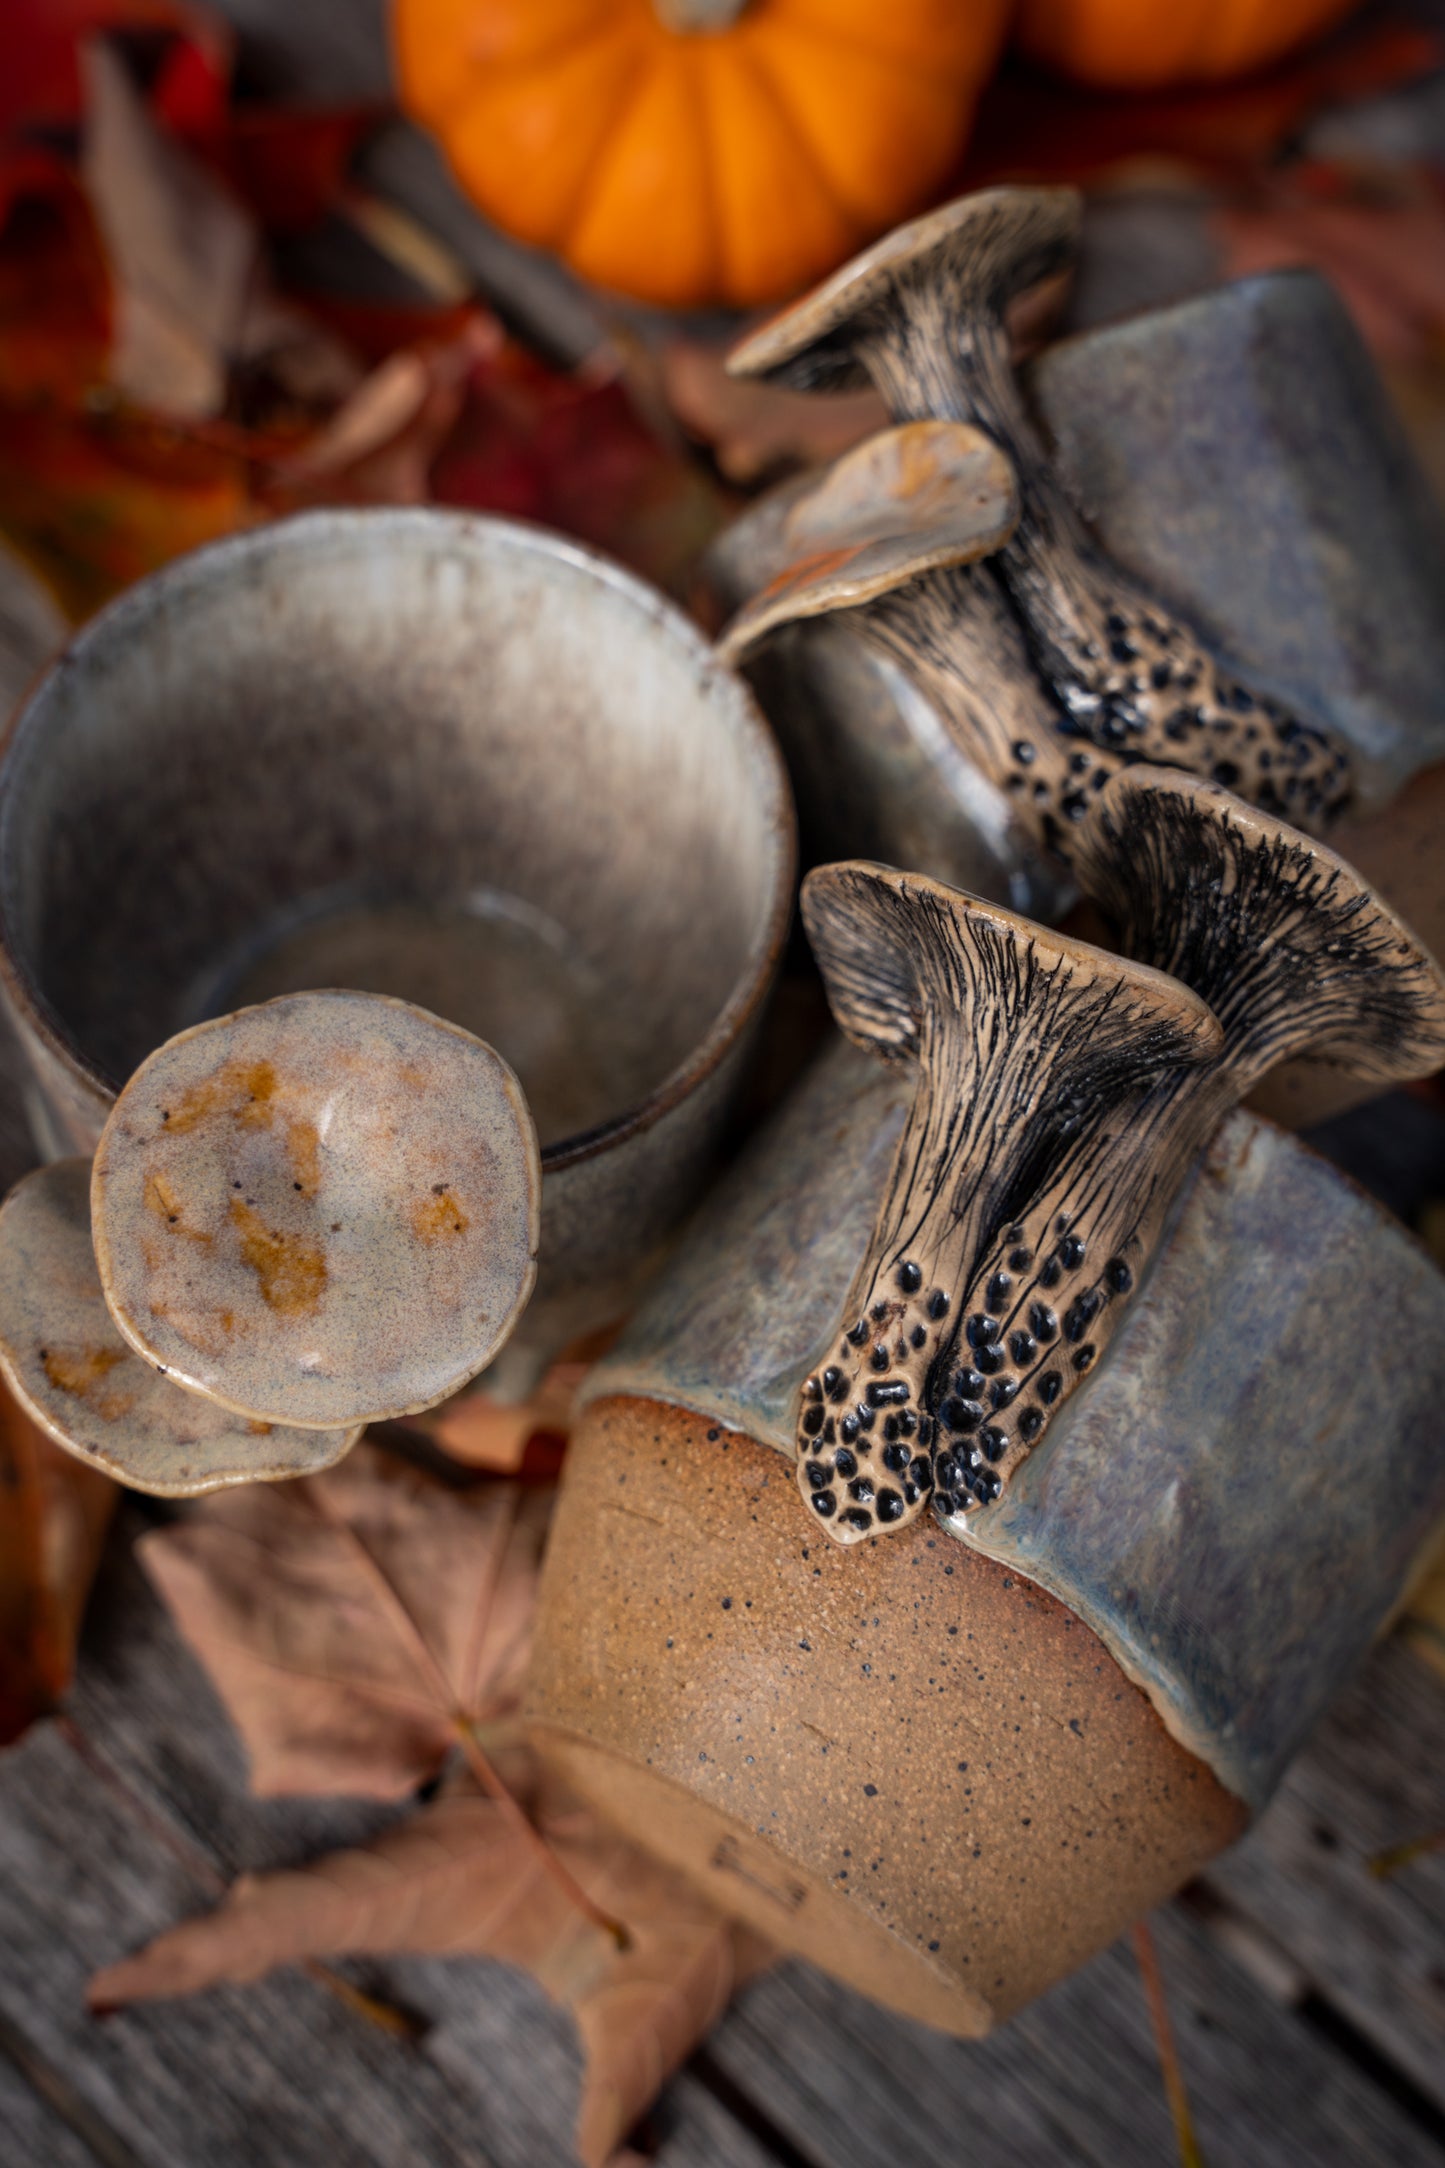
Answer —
753 981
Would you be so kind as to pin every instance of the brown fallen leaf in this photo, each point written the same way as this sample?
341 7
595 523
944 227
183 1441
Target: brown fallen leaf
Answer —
456 1880
54 1513
379 445
192 298
495 1435
756 430
350 1621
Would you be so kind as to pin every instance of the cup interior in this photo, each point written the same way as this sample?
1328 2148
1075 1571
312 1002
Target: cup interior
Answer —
447 758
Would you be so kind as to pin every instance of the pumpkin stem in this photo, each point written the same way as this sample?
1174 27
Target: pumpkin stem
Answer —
691 15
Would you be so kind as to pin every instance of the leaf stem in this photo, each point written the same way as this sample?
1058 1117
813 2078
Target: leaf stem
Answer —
461 1720
1384 1864
1148 1961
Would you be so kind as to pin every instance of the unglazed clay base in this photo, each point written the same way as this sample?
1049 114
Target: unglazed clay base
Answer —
898 1760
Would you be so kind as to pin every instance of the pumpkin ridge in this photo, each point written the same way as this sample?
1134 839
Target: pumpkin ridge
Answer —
748 59
780 68
717 260
542 56
647 63
811 26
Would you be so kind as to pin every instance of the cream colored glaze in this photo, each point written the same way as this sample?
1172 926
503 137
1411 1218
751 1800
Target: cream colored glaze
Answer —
323 1210
67 1364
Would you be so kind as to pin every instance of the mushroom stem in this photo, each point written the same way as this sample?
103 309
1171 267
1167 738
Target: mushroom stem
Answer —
1058 1112
1031 1050
922 316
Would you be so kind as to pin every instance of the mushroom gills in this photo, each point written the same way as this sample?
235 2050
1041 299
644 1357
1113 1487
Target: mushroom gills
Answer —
1030 1049
921 316
1059 1108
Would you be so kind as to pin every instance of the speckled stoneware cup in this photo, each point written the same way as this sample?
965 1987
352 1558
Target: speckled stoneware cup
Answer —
455 760
949 1766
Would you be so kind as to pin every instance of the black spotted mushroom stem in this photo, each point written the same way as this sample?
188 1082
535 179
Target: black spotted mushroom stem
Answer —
921 316
1032 1052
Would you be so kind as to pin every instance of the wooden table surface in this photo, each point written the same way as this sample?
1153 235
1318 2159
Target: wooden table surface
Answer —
1308 1994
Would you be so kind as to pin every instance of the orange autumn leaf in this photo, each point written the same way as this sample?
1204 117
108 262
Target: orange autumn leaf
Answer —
457 1880
282 1591
94 501
54 1513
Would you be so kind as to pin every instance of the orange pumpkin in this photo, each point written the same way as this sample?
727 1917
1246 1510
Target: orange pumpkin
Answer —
689 151
1152 44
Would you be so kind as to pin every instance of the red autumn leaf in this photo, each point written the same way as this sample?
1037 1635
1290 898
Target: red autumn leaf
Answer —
1379 238
54 1513
40 81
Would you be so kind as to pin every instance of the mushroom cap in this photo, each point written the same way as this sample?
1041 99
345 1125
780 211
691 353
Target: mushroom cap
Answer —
906 501
320 1211
990 245
67 1364
1294 951
896 948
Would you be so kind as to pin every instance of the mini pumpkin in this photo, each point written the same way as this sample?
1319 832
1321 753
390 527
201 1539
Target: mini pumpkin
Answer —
693 151
1139 45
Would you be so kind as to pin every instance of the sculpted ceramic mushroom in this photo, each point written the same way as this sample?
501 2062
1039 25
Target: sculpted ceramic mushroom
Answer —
323 1210
67 1364
1294 956
909 500
921 315
1033 1053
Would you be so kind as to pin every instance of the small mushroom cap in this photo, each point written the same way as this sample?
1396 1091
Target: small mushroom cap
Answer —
895 948
320 1211
1296 953
67 1364
991 246
907 501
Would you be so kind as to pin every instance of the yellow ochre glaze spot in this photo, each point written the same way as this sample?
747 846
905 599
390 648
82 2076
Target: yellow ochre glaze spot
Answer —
246 1092
438 1218
291 1271
83 1376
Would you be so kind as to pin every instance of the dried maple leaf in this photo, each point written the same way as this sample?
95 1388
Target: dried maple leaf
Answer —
193 299
456 1880
54 1513
351 1622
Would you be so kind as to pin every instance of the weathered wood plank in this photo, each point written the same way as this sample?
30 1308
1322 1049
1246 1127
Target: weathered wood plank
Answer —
153 1766
1373 1777
1075 2079
32 2133
279 2072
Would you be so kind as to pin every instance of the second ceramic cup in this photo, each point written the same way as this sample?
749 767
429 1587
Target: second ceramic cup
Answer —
448 758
